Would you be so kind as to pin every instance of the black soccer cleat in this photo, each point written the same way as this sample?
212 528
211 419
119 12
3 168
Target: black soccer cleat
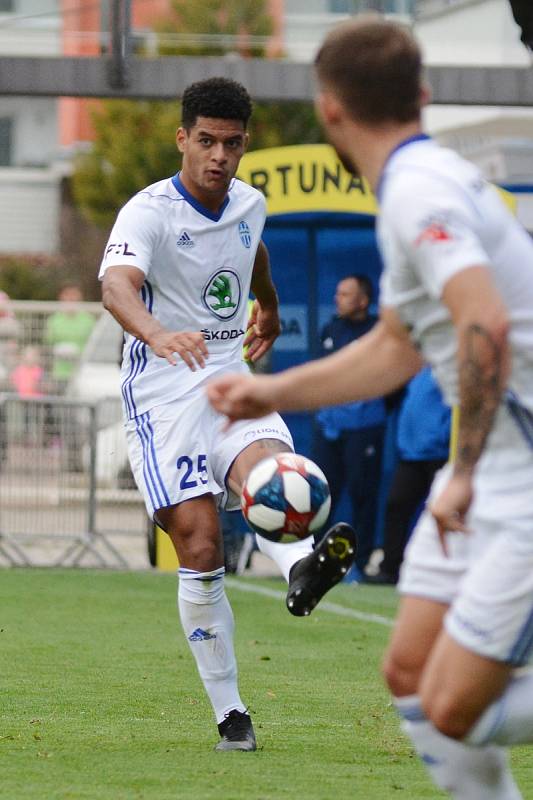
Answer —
237 732
314 575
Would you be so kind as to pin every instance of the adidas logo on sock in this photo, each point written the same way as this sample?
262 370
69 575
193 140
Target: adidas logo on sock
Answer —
199 635
185 240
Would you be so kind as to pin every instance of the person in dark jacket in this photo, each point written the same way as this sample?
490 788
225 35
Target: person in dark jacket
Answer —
348 439
423 437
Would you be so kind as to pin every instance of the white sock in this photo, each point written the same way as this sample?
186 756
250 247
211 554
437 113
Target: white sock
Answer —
466 773
285 555
509 720
207 621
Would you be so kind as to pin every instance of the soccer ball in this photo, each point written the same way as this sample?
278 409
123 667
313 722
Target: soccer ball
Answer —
286 497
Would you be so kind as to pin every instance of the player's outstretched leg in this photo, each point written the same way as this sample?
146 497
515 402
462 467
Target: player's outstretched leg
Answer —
237 732
313 576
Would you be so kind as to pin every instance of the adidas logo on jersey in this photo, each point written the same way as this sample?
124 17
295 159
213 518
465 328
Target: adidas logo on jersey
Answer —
185 240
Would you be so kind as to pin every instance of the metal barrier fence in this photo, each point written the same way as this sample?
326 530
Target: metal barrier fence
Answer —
29 324
67 497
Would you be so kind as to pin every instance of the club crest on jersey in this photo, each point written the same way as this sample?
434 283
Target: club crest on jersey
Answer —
244 233
222 294
184 240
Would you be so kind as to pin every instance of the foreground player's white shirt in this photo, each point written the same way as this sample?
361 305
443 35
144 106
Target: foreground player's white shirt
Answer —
439 216
198 268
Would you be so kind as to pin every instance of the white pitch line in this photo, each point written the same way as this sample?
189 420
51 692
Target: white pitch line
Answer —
325 605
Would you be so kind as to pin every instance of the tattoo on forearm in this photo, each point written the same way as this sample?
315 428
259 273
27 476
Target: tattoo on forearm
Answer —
480 372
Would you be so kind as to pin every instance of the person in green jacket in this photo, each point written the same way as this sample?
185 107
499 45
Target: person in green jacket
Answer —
67 331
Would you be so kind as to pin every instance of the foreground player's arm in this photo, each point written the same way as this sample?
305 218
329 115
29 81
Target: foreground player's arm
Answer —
481 323
120 295
264 325
374 365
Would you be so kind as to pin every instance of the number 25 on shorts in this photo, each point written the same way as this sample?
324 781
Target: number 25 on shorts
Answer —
188 479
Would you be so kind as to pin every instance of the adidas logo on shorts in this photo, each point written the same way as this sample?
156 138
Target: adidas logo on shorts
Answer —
185 240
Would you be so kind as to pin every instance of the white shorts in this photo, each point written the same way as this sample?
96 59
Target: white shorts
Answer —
487 579
178 450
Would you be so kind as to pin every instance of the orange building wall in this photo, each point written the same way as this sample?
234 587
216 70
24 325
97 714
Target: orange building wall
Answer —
143 14
276 10
78 23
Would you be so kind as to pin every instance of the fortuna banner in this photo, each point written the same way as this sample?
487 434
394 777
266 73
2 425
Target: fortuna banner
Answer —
305 178
310 177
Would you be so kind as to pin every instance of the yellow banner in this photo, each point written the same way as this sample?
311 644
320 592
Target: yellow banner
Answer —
509 199
306 177
310 177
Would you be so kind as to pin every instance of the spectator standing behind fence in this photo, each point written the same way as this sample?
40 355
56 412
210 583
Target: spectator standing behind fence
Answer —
422 438
9 330
27 380
67 331
27 376
348 439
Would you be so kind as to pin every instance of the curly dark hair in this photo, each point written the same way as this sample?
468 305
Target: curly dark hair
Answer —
220 98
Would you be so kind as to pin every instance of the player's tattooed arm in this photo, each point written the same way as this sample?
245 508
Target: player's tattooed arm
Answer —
483 357
480 387
481 325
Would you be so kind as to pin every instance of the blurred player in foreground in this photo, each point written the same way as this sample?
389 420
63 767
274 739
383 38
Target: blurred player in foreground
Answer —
177 271
457 290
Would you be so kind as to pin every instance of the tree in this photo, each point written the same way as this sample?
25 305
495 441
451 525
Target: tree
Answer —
32 277
134 142
218 20
133 147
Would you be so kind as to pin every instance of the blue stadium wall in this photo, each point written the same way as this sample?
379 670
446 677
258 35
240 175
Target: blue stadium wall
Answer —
319 229
310 254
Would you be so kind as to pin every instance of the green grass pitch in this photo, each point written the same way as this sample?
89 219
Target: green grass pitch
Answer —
100 699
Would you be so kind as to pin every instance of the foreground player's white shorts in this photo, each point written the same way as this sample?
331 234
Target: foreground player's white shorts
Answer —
487 578
178 450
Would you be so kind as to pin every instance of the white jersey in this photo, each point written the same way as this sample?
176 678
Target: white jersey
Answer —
438 217
198 267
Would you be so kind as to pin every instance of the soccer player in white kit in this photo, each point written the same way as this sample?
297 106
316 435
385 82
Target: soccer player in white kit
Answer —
456 291
181 260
